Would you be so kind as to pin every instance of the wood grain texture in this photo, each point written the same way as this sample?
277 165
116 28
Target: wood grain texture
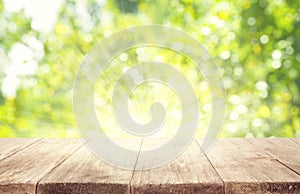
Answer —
20 172
283 149
10 146
189 173
83 172
231 166
244 168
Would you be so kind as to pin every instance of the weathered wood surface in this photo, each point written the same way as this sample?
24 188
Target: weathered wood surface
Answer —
285 150
189 173
231 166
246 168
83 172
10 146
20 172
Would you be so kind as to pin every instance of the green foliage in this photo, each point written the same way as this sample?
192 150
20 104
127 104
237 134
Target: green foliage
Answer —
1 6
255 43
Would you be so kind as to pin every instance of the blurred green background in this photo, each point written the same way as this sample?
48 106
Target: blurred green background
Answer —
255 43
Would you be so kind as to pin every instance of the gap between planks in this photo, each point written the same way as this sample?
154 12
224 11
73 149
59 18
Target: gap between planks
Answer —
88 174
277 157
190 172
22 148
204 153
20 172
37 183
243 168
130 186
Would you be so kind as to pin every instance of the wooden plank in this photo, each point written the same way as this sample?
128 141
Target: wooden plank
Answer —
19 173
83 172
189 173
244 168
10 146
283 149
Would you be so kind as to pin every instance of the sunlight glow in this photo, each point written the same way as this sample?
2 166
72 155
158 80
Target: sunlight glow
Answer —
9 86
42 12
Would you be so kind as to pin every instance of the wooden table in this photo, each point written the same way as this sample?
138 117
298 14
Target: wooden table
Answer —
231 166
